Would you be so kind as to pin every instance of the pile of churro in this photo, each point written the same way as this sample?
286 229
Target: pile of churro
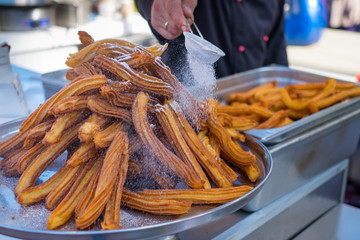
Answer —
124 116
270 106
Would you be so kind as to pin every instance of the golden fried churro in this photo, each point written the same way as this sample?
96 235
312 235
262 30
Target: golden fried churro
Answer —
245 109
123 99
155 206
63 212
116 158
215 145
39 192
154 145
207 161
85 38
85 69
28 157
198 196
14 142
285 122
59 191
327 90
236 135
71 89
87 131
45 158
93 125
338 97
190 106
243 123
100 105
103 138
62 123
112 209
245 96
37 133
274 120
122 70
169 125
10 162
113 51
89 190
319 85
85 152
239 157
69 104
88 53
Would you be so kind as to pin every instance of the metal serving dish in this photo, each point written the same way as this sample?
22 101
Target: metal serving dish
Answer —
30 222
284 76
306 147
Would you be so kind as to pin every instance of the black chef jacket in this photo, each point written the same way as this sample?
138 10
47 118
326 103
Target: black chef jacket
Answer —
250 32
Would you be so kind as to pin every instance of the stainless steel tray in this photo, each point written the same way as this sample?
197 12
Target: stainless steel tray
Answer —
30 222
305 148
284 76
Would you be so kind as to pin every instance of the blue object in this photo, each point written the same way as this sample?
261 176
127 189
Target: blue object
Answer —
304 21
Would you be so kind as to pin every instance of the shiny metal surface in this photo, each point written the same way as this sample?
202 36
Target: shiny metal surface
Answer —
17 222
284 76
283 218
340 223
305 148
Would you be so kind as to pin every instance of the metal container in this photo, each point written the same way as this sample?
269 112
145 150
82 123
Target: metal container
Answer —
28 15
284 218
284 76
305 148
16 221
53 82
72 13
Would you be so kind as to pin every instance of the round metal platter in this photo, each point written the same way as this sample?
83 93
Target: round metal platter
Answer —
30 222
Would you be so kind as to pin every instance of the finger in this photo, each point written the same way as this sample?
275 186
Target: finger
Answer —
162 21
188 8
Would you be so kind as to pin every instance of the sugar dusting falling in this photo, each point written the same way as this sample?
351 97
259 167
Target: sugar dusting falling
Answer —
202 82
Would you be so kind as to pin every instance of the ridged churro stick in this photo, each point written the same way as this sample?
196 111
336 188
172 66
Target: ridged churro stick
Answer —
85 152
63 122
26 159
14 142
71 89
207 161
69 104
45 158
146 82
39 192
156 147
114 158
103 138
112 208
63 212
37 133
172 131
198 196
60 190
100 105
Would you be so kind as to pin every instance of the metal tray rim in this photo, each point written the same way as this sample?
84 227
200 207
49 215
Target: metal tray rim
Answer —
171 227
